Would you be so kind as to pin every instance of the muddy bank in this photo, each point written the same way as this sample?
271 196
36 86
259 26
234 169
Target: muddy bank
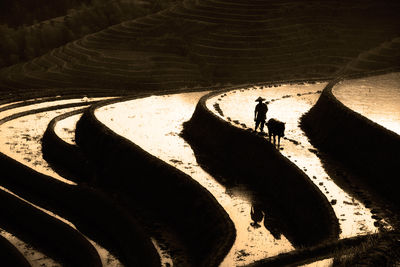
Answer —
90 211
65 158
240 156
360 144
170 195
46 233
10 255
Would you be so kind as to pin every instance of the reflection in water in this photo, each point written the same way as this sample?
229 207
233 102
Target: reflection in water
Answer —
287 103
376 97
155 123
256 215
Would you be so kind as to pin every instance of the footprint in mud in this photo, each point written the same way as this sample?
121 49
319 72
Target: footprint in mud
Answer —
292 141
175 161
312 150
218 109
241 254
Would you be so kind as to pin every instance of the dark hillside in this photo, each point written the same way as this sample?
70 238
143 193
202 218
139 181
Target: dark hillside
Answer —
25 42
19 12
204 42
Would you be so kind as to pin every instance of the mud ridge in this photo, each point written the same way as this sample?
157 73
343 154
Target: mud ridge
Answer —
240 155
174 197
360 144
10 255
46 233
65 158
93 213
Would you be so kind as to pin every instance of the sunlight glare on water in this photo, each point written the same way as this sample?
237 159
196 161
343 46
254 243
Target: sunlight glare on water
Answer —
154 123
288 103
375 97
20 139
65 129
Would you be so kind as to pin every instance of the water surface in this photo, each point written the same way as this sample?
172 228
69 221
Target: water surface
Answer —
375 97
20 139
288 103
155 123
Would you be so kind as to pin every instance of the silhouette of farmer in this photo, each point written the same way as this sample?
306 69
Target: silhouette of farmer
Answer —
260 114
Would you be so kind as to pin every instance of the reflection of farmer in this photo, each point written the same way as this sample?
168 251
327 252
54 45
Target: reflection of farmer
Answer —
256 215
260 114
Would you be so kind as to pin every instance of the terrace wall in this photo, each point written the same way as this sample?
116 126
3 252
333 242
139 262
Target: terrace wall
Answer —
240 155
362 145
10 255
65 158
90 211
167 193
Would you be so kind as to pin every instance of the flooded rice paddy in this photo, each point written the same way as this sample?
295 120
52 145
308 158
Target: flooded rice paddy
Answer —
288 103
376 97
155 124
20 139
65 128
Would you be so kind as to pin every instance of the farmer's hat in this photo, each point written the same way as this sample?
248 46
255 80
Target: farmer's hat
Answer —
260 99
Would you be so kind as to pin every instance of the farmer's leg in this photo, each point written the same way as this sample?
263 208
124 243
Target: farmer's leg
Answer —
262 125
257 123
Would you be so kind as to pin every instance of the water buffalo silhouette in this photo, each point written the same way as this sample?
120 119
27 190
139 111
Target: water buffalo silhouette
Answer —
276 128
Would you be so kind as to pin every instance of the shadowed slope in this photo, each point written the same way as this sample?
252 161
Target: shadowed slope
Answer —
228 41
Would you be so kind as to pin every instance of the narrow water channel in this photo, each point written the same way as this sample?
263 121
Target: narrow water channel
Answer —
288 103
155 123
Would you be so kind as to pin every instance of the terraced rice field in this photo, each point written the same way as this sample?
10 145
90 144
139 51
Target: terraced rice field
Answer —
22 128
288 103
376 97
197 43
154 123
63 158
